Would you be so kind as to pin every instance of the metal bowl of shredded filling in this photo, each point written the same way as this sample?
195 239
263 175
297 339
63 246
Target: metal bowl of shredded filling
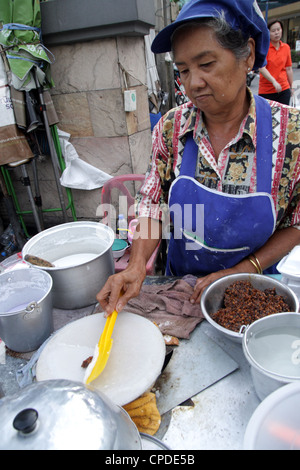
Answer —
236 301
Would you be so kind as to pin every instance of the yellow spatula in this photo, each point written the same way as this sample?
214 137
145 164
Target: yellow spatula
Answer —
104 348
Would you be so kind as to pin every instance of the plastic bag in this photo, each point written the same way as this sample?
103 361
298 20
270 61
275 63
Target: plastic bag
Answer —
79 174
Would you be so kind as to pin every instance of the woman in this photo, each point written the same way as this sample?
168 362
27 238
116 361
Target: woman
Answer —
276 79
233 191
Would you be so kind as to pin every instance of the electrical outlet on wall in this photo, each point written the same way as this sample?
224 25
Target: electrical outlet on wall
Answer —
130 100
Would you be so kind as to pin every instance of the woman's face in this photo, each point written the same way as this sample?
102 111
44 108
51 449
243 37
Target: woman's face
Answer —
275 32
213 78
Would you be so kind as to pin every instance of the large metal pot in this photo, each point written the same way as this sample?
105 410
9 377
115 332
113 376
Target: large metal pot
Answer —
274 424
272 347
82 258
63 415
26 319
212 298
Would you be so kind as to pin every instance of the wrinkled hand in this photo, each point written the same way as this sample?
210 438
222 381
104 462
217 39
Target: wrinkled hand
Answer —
120 288
205 281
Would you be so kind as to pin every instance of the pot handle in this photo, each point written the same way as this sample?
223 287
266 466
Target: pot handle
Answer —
243 329
33 306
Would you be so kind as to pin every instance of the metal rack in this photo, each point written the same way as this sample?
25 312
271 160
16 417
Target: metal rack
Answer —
37 210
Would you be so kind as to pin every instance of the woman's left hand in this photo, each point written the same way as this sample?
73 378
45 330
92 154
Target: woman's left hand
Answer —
205 281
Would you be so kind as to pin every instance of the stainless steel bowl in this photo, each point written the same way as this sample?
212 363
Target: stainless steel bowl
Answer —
213 296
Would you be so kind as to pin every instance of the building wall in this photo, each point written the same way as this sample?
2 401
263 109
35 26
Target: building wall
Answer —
90 78
290 16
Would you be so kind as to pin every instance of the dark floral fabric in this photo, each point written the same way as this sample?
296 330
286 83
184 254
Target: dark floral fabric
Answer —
234 172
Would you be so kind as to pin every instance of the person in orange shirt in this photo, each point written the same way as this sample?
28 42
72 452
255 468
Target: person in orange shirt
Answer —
276 78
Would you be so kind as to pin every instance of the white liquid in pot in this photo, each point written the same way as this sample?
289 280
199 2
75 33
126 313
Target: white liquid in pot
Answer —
18 308
277 351
74 260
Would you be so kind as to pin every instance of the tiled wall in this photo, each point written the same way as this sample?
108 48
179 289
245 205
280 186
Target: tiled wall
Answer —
88 98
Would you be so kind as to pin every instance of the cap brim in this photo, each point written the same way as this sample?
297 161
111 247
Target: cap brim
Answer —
162 42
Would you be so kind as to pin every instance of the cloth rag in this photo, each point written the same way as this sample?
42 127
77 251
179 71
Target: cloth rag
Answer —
169 306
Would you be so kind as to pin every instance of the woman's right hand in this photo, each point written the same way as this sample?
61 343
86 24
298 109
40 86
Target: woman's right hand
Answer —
123 286
120 288
277 86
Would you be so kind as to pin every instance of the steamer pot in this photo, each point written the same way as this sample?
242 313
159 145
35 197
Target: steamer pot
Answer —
82 257
26 319
64 415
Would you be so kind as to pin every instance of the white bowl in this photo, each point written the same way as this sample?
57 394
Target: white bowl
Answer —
122 245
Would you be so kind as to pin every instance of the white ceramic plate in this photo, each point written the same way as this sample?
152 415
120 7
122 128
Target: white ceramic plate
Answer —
135 361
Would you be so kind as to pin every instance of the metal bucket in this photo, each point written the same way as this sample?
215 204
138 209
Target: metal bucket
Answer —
26 319
272 347
82 257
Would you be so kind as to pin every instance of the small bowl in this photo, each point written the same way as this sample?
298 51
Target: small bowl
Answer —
213 297
119 248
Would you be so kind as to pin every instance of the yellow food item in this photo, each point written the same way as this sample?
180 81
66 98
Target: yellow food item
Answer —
144 413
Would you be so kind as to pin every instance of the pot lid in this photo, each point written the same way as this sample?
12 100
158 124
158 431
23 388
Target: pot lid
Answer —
64 415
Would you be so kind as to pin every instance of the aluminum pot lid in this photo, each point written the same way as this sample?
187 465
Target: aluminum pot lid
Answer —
63 415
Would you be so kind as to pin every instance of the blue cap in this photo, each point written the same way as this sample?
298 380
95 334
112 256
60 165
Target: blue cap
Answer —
240 14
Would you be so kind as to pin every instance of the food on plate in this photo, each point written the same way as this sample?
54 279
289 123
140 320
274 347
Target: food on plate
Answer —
244 304
171 340
87 362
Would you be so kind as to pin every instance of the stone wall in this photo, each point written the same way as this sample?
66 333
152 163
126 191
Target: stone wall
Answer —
89 82
90 78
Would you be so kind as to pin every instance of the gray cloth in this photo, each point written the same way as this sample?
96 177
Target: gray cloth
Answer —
169 306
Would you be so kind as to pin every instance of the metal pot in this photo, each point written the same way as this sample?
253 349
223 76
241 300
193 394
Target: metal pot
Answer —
82 258
26 319
63 415
272 347
274 424
213 297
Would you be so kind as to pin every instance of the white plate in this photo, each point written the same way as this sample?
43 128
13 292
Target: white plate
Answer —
135 361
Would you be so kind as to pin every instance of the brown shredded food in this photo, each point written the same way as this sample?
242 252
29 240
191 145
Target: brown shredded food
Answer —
243 304
87 362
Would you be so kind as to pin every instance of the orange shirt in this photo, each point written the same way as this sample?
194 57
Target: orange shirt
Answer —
277 61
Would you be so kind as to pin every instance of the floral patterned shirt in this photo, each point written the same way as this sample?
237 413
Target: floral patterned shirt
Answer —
235 170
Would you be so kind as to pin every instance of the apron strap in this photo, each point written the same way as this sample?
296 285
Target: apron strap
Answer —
263 145
190 156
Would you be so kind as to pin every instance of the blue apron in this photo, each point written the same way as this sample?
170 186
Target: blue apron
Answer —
214 230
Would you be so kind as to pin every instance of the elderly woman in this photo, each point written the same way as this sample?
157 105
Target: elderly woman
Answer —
227 163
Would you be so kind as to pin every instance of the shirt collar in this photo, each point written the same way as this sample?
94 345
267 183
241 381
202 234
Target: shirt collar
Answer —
194 120
273 47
